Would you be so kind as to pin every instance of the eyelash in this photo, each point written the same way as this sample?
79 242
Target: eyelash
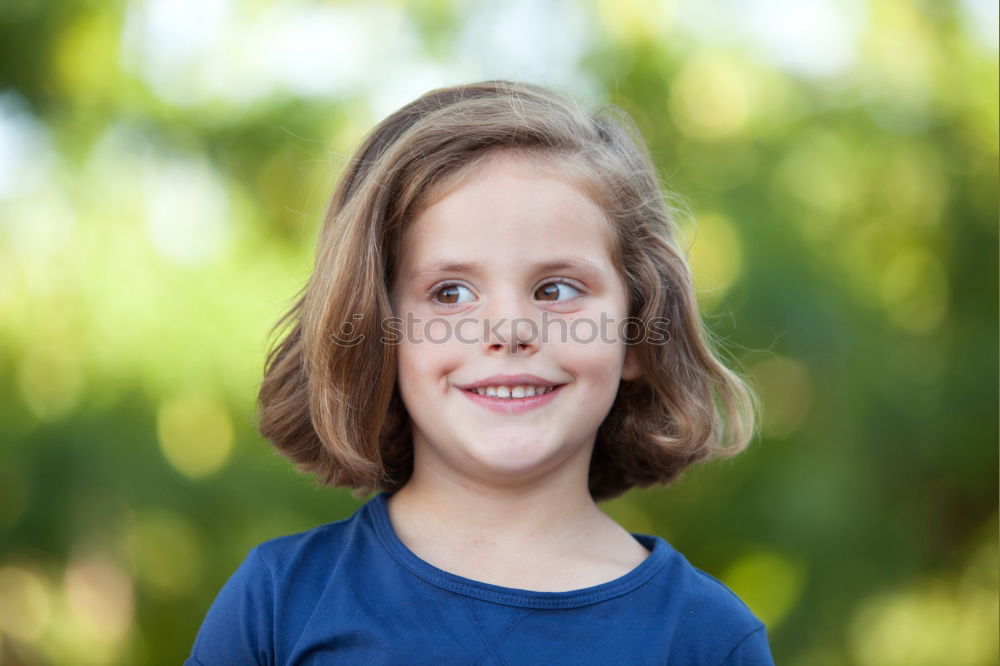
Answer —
433 291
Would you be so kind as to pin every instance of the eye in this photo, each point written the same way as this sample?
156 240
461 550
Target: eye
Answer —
550 291
451 294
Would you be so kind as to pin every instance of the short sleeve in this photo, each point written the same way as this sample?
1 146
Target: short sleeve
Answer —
753 650
239 626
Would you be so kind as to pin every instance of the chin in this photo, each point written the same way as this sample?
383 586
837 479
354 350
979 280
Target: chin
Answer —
511 461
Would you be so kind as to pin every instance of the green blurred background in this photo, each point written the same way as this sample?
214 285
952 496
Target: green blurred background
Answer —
164 165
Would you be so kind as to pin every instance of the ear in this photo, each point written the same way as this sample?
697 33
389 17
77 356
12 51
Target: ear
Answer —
631 368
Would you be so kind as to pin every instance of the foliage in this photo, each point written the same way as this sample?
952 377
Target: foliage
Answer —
163 171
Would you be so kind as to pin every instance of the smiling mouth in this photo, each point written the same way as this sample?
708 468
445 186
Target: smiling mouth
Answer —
513 392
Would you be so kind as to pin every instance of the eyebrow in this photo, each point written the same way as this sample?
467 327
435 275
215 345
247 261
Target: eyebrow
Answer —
580 264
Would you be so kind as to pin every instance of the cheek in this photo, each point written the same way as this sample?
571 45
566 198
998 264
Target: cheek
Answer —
425 363
412 377
595 332
598 362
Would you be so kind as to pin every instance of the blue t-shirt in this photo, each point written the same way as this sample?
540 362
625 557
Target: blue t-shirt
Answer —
350 592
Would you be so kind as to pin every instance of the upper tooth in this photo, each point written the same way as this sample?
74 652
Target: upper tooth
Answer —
512 391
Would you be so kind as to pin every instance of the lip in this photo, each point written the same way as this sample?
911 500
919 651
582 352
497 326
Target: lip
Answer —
513 405
509 380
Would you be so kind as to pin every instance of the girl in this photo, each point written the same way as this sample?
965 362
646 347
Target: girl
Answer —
500 332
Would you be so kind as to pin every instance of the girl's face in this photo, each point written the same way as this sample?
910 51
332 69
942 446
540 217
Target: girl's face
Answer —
509 243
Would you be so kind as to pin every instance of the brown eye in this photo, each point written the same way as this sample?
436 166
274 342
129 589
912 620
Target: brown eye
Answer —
450 294
550 291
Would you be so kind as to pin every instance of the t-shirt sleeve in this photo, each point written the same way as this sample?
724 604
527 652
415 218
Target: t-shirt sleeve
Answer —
753 650
239 626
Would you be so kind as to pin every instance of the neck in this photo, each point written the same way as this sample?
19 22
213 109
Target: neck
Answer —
555 515
546 534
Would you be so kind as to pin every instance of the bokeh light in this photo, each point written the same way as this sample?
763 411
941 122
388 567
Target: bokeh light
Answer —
99 596
914 289
711 97
786 389
770 583
165 552
25 603
196 435
715 256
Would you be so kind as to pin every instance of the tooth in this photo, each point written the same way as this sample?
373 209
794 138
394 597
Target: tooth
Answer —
517 392
503 392
481 390
491 391
529 391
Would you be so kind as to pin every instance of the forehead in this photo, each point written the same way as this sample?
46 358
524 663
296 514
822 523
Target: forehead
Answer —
511 208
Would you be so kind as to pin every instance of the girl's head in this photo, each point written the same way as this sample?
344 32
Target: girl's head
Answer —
503 177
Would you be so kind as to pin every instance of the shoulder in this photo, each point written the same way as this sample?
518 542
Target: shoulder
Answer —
284 554
710 617
709 595
701 594
283 576
301 567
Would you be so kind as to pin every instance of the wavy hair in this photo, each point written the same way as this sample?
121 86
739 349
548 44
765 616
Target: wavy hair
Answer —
334 409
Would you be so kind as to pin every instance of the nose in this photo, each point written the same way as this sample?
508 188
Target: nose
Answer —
511 327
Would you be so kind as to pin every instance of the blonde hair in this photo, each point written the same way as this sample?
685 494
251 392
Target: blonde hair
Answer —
334 408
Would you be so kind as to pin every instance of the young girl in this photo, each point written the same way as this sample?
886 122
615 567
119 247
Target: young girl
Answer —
500 332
